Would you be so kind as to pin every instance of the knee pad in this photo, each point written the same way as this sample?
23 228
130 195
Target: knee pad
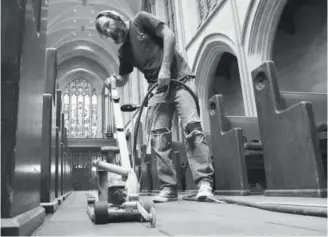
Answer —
161 139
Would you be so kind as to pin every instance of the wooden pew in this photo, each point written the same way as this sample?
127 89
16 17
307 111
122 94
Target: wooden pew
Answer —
293 161
144 163
185 179
154 174
67 161
23 36
318 100
63 155
187 182
63 165
58 153
319 105
178 159
146 182
237 151
49 172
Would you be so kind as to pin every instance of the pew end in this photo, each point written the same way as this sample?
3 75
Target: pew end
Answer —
290 142
238 158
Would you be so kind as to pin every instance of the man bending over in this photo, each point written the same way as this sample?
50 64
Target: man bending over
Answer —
149 45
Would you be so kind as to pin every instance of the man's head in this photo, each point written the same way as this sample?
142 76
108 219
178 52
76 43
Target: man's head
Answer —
110 24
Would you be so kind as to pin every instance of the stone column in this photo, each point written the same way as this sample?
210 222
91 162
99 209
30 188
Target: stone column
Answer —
110 123
99 117
111 117
245 74
106 114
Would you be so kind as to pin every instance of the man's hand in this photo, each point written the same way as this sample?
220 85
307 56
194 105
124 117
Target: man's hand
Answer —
164 77
110 81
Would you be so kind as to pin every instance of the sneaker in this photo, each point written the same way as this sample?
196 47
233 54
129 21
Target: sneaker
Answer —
167 194
204 191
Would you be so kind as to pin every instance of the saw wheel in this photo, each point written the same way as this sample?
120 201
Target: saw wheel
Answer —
101 215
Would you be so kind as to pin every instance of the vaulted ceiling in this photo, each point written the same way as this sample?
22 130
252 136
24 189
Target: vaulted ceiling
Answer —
71 29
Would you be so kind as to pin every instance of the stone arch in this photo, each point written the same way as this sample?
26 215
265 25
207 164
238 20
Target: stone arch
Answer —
89 50
263 30
263 33
84 42
212 48
299 49
248 22
63 23
82 61
53 23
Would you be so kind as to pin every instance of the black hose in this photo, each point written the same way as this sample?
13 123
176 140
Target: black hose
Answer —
145 100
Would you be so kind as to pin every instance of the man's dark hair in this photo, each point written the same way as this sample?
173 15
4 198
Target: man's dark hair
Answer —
110 14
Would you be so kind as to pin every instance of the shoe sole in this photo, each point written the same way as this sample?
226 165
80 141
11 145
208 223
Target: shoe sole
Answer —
163 200
203 197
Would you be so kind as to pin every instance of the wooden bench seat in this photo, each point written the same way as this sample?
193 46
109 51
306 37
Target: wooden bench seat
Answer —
237 151
287 122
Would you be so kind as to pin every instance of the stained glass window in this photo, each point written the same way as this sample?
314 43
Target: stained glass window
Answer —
80 109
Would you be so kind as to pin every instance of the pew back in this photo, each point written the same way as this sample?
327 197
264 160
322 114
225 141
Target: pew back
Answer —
318 100
249 126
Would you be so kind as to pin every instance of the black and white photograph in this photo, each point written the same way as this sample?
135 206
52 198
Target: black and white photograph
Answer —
164 118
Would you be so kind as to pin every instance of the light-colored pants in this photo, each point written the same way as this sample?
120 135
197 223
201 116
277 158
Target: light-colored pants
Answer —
161 112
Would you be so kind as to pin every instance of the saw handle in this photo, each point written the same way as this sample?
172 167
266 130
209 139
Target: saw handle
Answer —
129 107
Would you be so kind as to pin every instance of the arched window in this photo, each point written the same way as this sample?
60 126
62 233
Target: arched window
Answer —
80 109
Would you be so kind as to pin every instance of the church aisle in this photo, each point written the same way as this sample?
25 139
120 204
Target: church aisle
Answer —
183 218
71 219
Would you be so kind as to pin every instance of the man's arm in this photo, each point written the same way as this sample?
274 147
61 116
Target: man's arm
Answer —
120 80
125 66
169 45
